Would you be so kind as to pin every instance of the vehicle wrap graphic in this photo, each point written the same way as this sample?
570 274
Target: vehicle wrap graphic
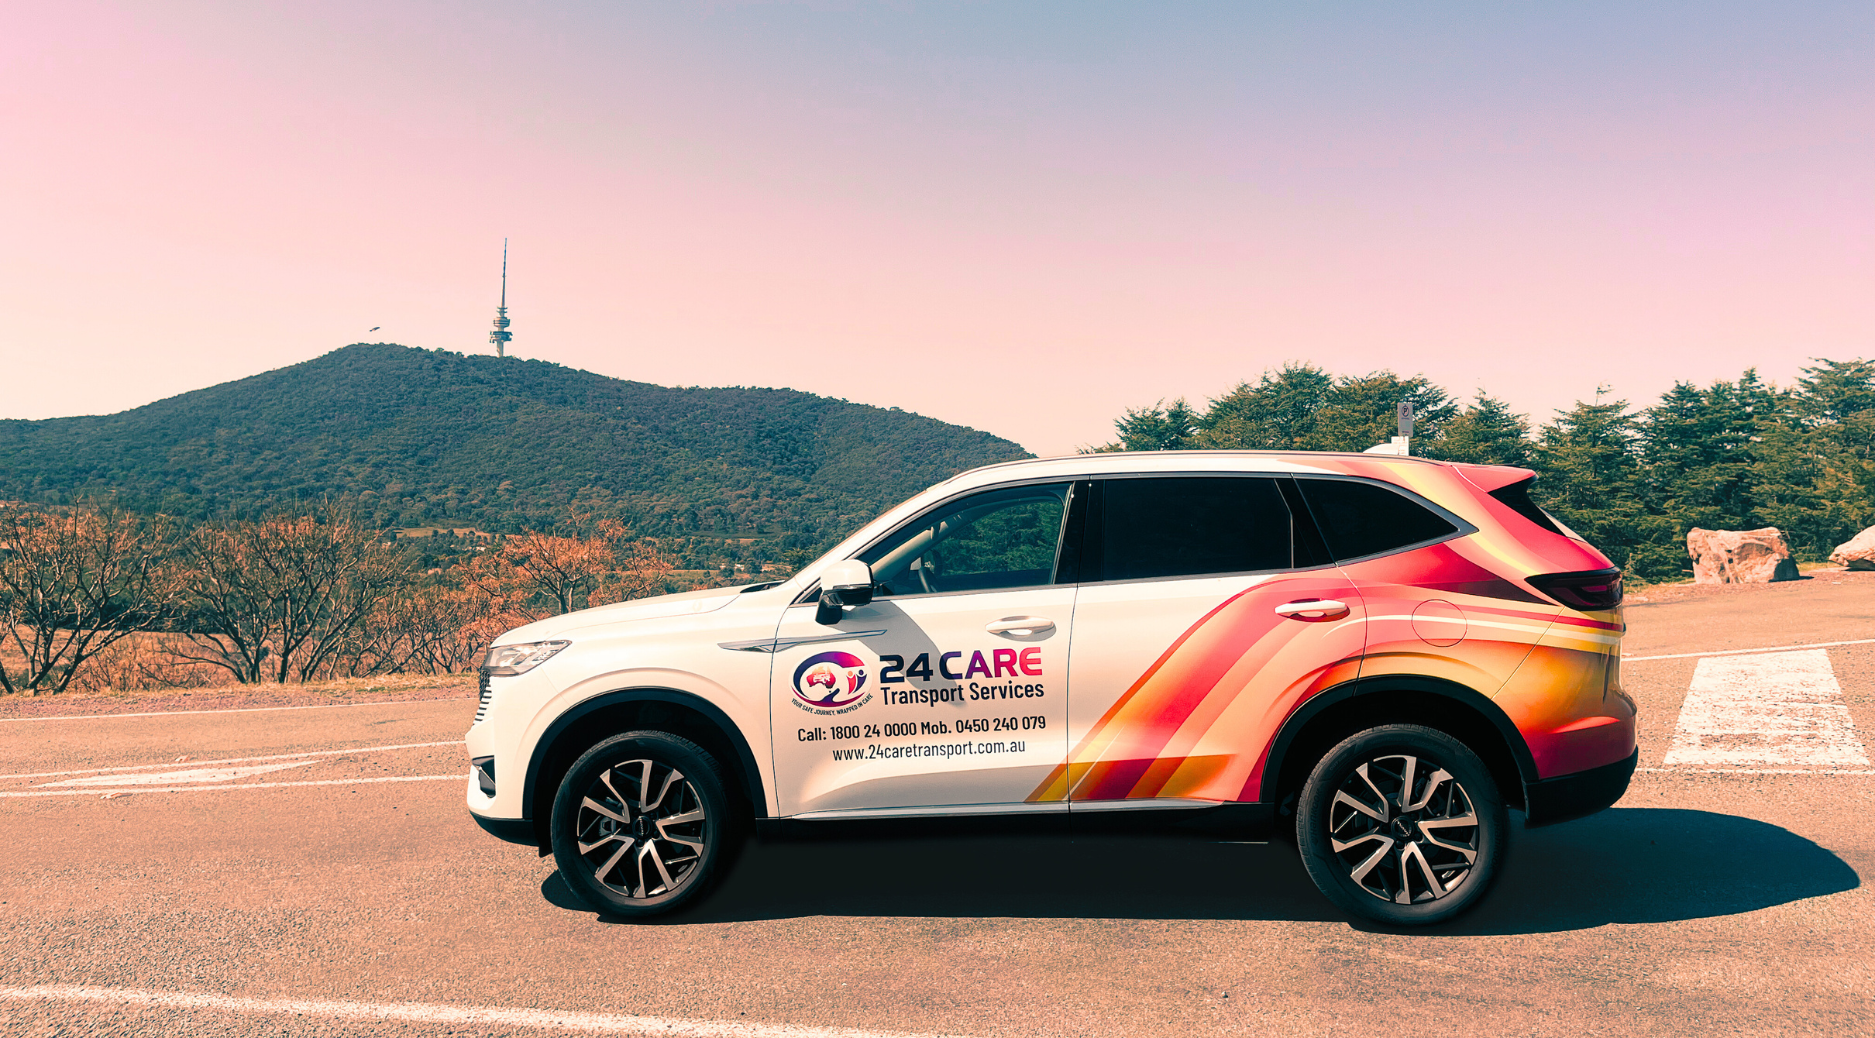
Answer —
1171 734
1196 725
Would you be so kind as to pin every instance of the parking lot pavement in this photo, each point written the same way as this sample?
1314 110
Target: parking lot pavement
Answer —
1711 899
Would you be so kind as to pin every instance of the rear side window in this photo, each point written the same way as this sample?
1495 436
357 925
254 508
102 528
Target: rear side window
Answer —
1360 519
1191 525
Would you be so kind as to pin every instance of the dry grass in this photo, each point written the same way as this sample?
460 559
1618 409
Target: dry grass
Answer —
144 663
139 673
342 691
1686 589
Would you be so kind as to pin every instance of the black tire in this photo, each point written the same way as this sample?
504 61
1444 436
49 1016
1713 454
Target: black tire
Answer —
1403 855
624 858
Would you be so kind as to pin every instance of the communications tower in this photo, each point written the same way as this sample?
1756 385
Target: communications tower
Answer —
500 336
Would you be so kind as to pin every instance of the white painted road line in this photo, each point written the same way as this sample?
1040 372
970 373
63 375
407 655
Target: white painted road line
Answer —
239 710
189 775
1759 771
242 760
1769 710
430 1013
1745 652
460 776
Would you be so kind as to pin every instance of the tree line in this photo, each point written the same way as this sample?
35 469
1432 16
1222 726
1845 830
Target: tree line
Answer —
1737 454
314 593
292 597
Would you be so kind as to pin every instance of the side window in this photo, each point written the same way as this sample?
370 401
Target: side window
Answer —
1190 525
1360 519
998 539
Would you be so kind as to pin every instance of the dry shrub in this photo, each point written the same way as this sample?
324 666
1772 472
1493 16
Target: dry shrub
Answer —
146 662
279 599
74 581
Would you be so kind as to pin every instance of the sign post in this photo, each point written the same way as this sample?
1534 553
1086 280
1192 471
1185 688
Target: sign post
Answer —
1401 444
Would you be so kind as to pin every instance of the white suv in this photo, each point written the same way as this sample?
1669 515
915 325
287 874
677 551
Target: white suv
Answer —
1379 654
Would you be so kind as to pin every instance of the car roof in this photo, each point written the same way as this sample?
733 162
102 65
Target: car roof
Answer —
1175 461
1082 466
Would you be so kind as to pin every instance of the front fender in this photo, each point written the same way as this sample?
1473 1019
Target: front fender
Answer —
731 715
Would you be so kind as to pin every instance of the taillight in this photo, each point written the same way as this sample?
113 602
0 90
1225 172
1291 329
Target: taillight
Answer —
1594 590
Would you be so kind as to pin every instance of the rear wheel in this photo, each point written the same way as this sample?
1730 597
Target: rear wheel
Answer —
641 824
1403 825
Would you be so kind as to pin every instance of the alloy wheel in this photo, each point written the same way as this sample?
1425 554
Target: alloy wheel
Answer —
641 829
1404 828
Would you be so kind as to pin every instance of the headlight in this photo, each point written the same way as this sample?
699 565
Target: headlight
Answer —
506 660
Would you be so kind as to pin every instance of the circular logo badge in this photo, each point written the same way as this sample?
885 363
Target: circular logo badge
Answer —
830 679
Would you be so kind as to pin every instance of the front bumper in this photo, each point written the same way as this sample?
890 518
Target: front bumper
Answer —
513 830
1567 797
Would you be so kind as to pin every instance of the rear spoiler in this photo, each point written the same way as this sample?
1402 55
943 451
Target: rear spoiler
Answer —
1494 477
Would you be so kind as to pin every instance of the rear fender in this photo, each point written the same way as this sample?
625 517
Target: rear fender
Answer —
1334 713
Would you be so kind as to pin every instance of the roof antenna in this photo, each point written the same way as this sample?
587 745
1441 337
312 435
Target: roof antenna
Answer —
500 336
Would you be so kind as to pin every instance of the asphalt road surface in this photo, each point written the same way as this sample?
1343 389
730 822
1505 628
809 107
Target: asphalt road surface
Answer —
312 871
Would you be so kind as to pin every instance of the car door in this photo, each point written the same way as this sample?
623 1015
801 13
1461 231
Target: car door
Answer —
1207 609
948 692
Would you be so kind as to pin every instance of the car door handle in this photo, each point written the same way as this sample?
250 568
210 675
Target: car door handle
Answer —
1316 609
1020 625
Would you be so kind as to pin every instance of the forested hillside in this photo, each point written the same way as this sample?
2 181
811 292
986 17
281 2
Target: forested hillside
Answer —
422 438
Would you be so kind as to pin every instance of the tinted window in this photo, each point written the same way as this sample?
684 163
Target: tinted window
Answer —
1000 539
1359 519
1190 525
1517 498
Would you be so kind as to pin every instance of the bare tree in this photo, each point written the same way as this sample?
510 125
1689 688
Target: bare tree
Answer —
535 575
435 627
564 571
639 567
74 581
277 599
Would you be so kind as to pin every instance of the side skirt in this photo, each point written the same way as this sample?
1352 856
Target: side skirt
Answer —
1235 823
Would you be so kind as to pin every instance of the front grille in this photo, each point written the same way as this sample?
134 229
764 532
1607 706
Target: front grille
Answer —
488 693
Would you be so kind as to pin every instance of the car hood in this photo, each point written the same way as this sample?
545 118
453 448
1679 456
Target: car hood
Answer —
688 603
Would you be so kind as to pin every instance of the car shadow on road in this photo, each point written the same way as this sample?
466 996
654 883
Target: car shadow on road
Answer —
1651 865
1621 866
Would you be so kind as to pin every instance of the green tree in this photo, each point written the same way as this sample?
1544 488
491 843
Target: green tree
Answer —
1701 449
1302 407
1589 457
1278 412
1155 428
1486 433
1815 472
1836 390
1363 411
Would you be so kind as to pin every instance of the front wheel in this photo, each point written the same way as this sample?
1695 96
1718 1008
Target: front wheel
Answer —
1403 825
641 825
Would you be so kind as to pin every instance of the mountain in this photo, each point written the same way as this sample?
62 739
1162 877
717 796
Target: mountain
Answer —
426 437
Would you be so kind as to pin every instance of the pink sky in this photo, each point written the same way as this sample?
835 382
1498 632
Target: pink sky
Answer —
1019 217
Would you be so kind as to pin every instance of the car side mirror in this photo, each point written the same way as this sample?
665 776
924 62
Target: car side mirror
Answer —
845 584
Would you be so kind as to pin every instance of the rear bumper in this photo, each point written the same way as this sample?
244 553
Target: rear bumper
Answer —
1566 797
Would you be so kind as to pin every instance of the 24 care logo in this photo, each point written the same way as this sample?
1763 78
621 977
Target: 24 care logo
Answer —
831 683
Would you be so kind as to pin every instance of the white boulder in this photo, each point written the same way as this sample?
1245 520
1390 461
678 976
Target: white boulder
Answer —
1857 552
1740 556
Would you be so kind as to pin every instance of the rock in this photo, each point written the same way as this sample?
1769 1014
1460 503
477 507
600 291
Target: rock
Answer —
1857 552
1740 556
